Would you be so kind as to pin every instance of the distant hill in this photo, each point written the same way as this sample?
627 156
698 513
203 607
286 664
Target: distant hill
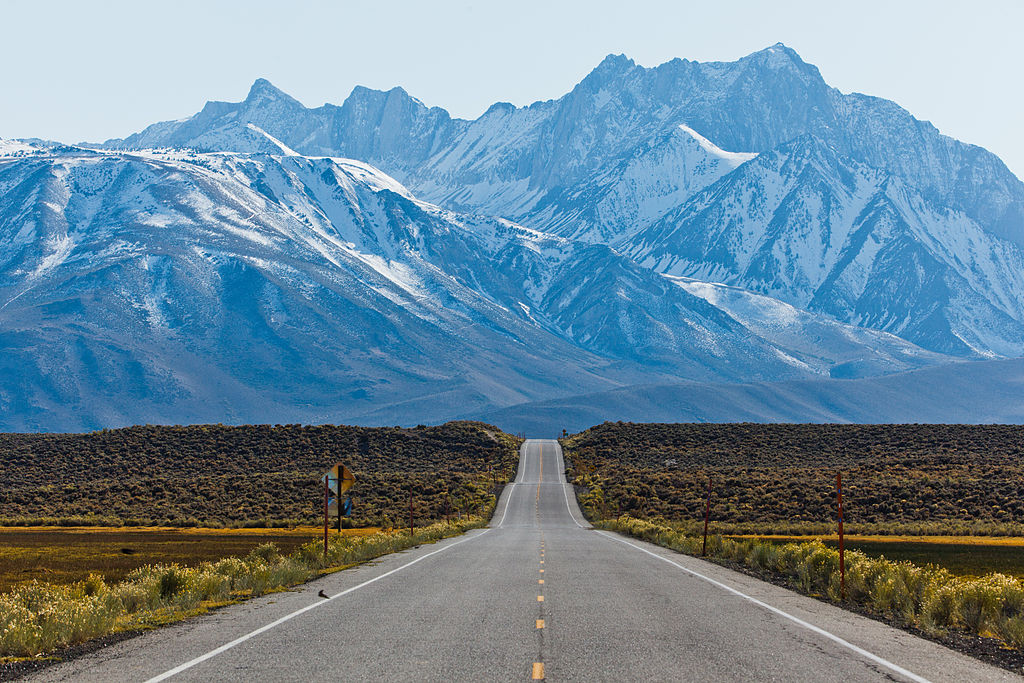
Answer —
959 393
248 475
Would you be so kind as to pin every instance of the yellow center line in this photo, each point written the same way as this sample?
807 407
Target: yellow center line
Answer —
540 598
540 623
540 580
541 478
538 671
541 571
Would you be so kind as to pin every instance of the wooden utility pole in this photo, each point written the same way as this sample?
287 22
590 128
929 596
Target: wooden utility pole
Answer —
411 526
327 485
842 554
707 515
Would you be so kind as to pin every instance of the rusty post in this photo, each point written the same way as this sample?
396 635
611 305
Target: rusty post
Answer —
411 527
326 488
842 554
707 514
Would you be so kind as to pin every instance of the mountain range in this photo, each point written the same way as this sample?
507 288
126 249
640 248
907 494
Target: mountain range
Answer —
380 262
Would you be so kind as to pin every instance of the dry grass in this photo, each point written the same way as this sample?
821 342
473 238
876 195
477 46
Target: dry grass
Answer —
40 617
929 596
1014 542
969 556
61 555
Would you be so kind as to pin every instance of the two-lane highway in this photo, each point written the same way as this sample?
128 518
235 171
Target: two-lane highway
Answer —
538 595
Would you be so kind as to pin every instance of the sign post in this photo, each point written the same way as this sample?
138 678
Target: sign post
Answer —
337 481
842 554
327 488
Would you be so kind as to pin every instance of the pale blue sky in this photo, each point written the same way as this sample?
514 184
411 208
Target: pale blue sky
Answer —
93 70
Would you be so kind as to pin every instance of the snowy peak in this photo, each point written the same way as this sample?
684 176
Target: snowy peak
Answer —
655 177
823 232
611 68
18 148
754 104
779 56
264 92
753 173
138 286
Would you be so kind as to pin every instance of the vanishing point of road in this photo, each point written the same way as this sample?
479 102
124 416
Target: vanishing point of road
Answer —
538 595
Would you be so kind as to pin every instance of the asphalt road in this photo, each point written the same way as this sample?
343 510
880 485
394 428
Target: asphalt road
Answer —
539 594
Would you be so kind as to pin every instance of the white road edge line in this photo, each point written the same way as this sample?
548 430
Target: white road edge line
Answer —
520 470
519 475
565 486
320 603
796 620
565 492
508 501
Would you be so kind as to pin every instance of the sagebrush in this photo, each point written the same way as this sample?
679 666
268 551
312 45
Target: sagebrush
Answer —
37 618
928 597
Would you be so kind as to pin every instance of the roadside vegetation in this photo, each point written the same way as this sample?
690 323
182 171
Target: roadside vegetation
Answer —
948 497
780 478
255 491
70 554
248 476
929 597
38 618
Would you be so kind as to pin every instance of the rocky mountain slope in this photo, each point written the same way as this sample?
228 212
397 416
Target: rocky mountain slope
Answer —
156 286
834 236
513 160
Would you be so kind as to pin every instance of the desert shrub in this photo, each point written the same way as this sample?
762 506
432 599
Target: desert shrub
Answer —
979 602
124 477
268 552
928 596
780 478
171 580
38 617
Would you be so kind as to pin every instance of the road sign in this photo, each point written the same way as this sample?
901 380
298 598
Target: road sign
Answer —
339 480
342 474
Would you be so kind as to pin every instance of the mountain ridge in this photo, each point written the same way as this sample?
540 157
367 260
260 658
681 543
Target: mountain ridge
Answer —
154 286
724 113
719 223
977 392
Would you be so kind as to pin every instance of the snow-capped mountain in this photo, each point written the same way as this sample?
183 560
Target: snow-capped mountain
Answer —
194 287
382 262
173 285
512 159
830 235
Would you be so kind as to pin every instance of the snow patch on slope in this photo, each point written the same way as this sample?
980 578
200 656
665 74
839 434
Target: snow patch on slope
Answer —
734 159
